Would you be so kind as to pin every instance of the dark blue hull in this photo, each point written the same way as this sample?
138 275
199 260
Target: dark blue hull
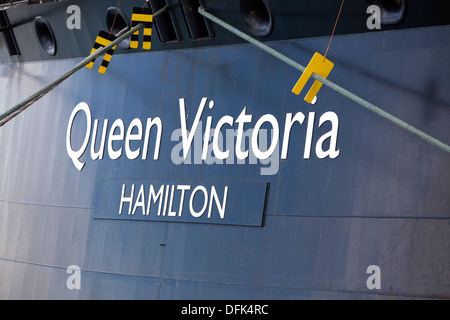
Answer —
351 193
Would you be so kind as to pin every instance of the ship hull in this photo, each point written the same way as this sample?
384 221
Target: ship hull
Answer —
353 191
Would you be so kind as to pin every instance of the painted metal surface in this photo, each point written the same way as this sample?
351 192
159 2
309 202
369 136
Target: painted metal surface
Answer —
384 200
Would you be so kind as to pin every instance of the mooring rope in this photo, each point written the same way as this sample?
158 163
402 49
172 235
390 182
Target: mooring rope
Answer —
14 111
115 16
121 35
332 33
328 83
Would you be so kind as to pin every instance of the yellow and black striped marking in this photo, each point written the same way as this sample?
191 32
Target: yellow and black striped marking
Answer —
142 15
103 39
